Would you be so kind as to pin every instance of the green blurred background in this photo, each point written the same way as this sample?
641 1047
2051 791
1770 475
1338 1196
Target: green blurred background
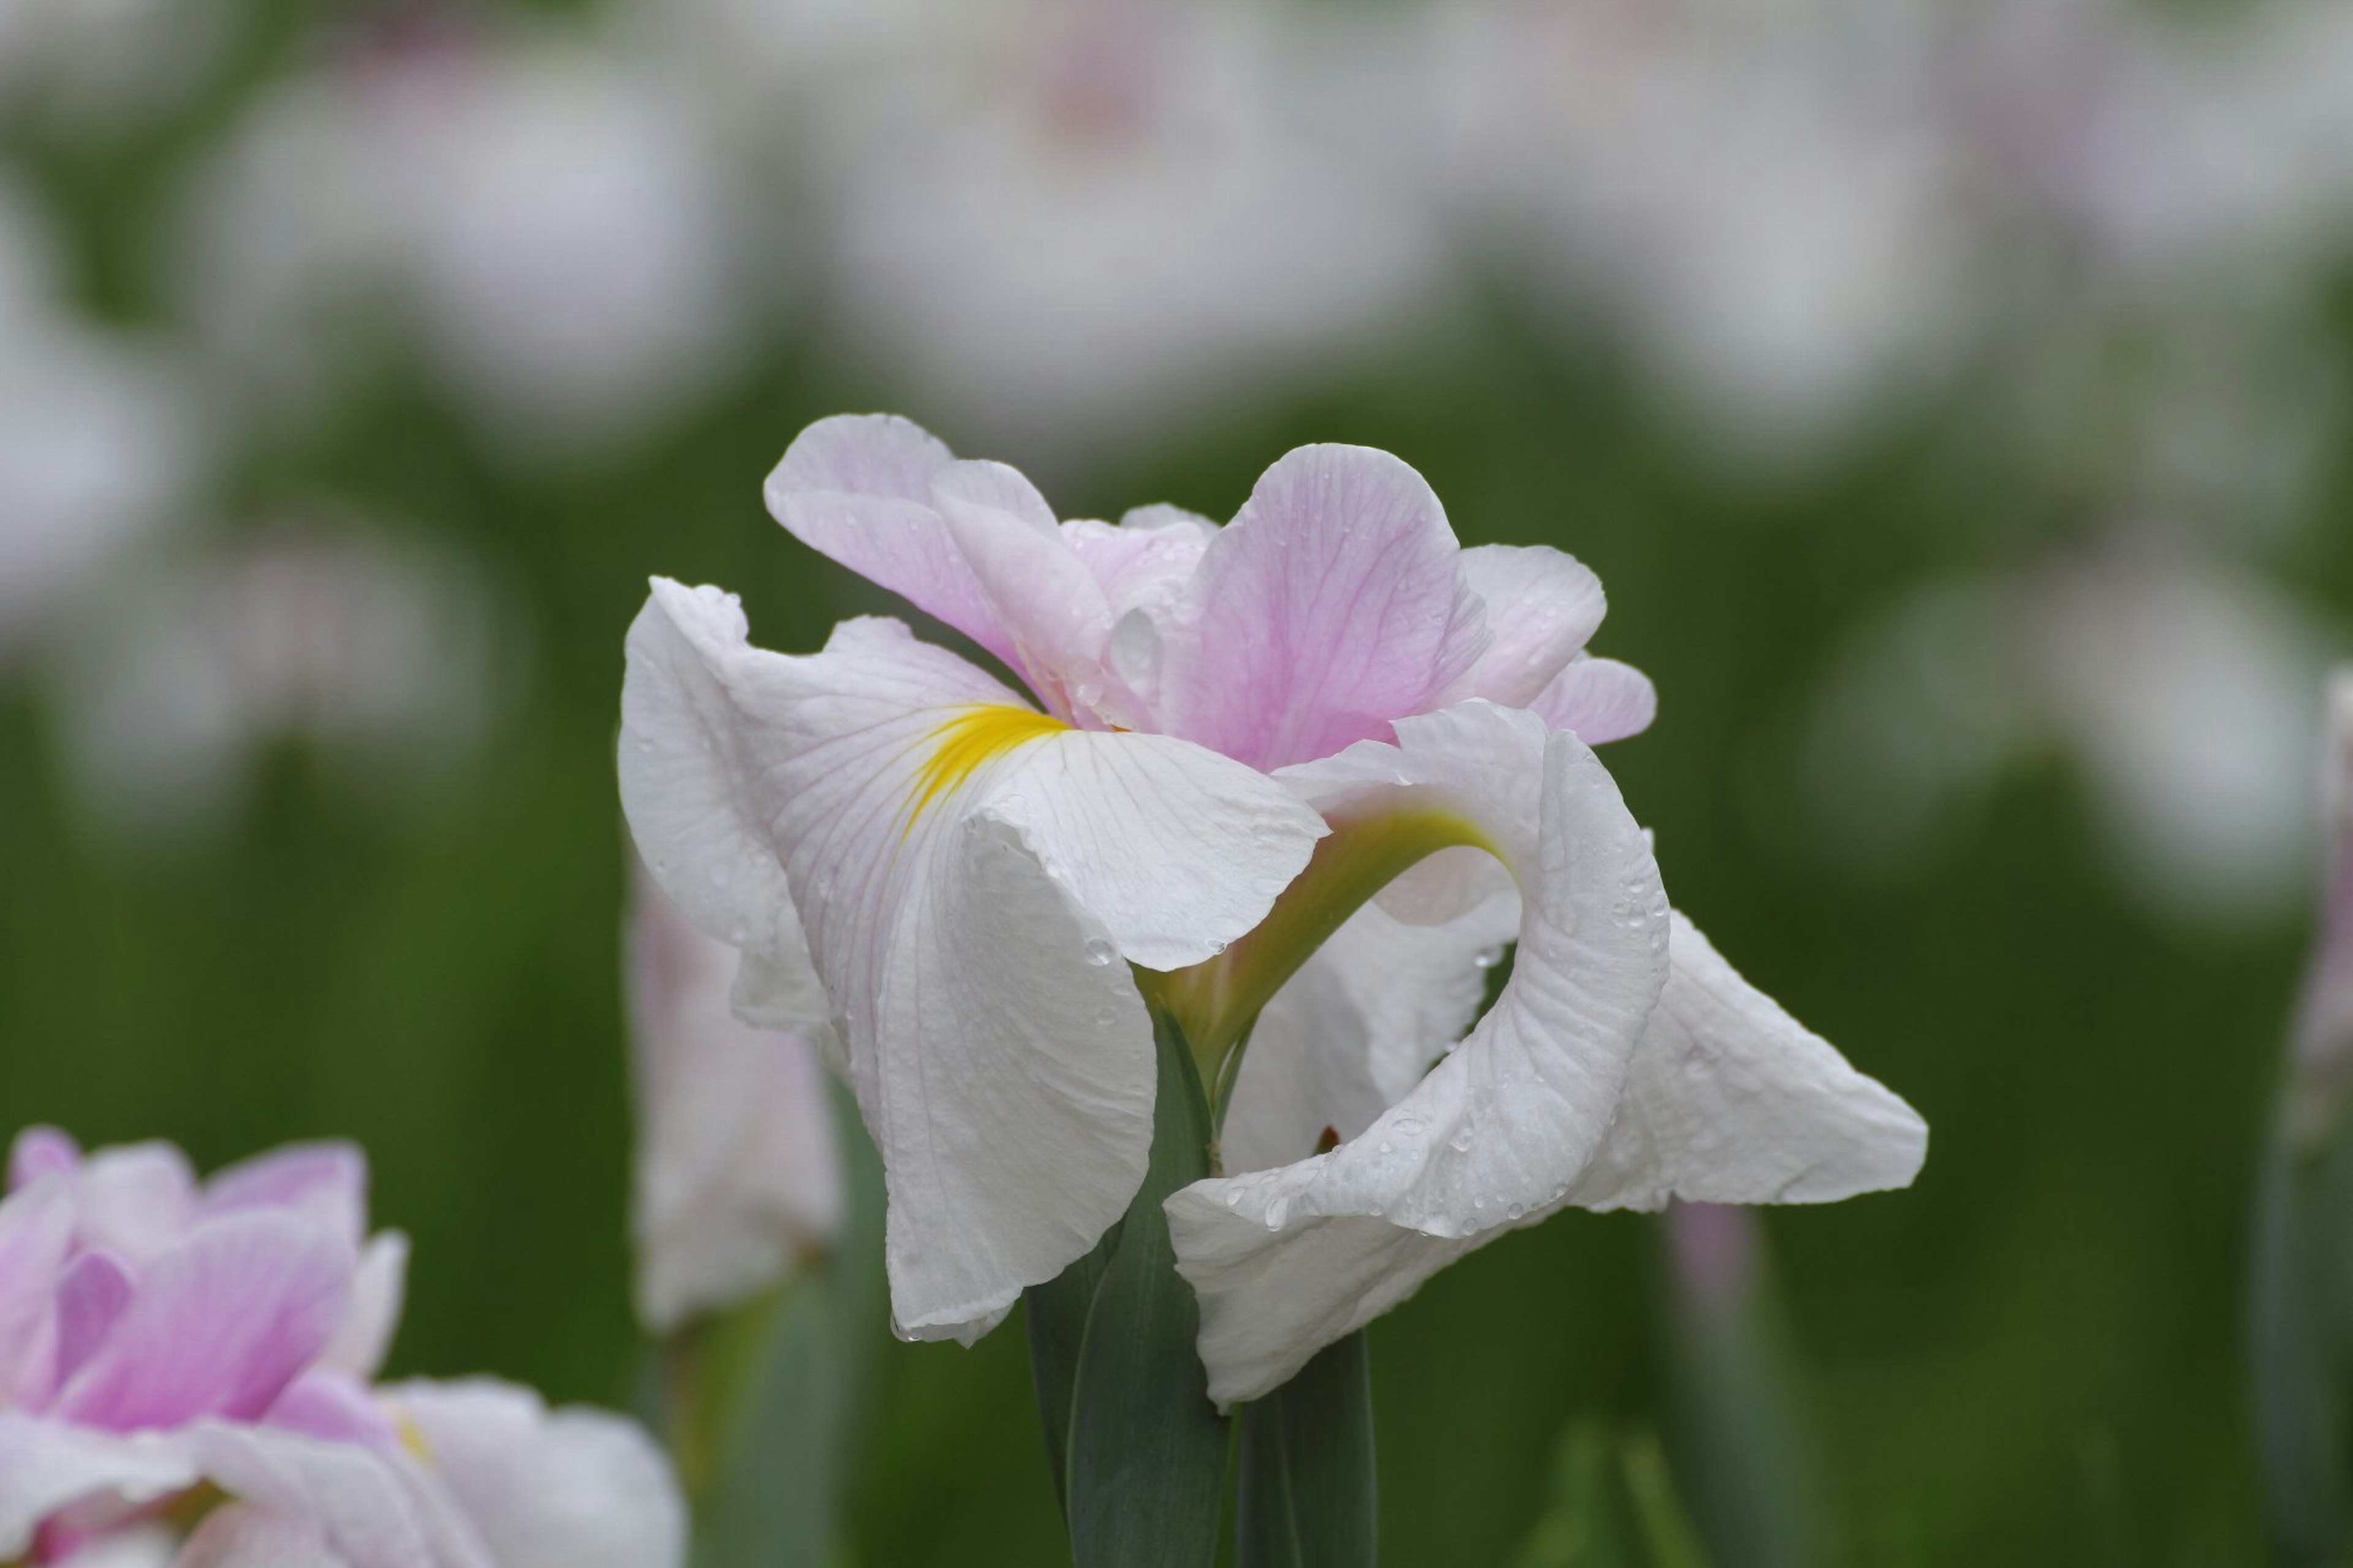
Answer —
2032 1357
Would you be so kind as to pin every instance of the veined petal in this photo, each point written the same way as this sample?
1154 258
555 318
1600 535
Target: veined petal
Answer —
324 1183
1053 612
218 1325
857 487
48 1465
1331 605
738 1172
1732 1100
1599 700
1357 1026
239 1535
369 1508
1289 1259
1543 606
970 870
545 1489
379 1289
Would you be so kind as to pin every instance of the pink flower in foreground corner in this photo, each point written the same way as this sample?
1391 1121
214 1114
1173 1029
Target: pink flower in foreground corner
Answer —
185 1378
1302 773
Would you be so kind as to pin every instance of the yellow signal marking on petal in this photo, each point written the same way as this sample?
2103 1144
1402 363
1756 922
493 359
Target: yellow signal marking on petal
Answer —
972 737
412 1437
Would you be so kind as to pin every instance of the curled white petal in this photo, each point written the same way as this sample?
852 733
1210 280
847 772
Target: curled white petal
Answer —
1286 1260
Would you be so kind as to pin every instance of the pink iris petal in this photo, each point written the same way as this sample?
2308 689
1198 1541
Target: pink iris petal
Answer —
216 1326
41 1152
1053 610
96 1288
325 1183
1330 607
857 487
36 1230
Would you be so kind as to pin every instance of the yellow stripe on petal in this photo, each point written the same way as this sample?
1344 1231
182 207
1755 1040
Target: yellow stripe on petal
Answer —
972 737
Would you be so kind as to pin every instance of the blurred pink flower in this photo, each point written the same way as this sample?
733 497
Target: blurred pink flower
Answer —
158 1334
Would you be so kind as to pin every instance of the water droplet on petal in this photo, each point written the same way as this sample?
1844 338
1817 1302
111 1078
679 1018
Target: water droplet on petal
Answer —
1100 953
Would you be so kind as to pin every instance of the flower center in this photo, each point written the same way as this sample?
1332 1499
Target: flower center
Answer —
969 738
1216 1003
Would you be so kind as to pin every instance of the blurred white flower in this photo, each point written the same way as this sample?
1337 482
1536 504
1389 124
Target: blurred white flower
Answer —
98 444
1110 214
107 64
2180 688
542 218
738 1164
386 656
1753 198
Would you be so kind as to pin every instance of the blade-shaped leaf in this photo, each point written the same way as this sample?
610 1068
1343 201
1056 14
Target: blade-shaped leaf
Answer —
1306 1498
1147 1450
1057 1311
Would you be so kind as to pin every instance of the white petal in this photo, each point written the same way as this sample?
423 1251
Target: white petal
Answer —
1287 1261
967 917
1599 700
372 1510
738 1172
136 1199
1543 606
694 831
239 1535
1357 1026
546 1488
45 1465
1731 1100
144 1546
379 1289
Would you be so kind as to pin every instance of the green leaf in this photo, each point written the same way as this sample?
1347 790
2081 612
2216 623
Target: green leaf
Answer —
1058 1311
764 1403
1613 1505
1306 1494
1146 1456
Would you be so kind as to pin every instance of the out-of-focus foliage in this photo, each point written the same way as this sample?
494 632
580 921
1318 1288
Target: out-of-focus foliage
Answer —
1951 398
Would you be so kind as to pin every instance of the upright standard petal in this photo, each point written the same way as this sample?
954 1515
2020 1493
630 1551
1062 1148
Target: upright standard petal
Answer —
738 1169
1333 604
970 871
1543 607
216 1326
379 1289
1598 699
545 1489
1289 1259
857 487
1732 1100
325 1183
